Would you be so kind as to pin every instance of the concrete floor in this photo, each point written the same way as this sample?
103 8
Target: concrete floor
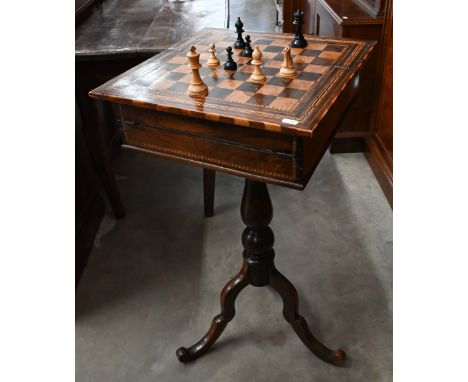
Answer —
154 278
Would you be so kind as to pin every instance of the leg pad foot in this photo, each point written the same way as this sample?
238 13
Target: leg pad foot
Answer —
182 354
338 357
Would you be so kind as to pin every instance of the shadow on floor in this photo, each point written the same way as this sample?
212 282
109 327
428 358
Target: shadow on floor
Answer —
153 284
157 244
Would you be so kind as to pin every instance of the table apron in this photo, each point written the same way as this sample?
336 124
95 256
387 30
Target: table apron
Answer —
256 154
247 152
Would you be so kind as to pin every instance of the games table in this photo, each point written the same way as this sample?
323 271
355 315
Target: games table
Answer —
275 132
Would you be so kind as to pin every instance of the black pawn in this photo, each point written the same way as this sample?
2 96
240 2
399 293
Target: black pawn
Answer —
247 52
230 64
240 43
299 41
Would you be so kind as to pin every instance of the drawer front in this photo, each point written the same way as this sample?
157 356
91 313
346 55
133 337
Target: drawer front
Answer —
228 148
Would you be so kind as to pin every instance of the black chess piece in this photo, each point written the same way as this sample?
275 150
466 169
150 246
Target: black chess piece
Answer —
247 52
230 63
240 43
299 41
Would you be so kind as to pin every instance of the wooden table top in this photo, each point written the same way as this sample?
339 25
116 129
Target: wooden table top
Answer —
132 27
295 106
351 11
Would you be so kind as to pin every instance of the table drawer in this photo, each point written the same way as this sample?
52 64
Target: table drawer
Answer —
210 144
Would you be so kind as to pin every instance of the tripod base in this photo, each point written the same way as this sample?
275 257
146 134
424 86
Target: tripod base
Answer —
258 269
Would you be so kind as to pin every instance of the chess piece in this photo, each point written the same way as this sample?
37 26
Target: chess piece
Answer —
213 60
287 69
247 52
299 41
230 64
257 76
197 87
240 43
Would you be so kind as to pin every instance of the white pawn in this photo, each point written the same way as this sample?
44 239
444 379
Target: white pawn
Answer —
257 76
213 60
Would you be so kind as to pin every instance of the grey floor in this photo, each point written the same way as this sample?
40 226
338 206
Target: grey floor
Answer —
153 279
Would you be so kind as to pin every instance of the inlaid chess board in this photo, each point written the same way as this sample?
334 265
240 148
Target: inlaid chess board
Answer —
294 106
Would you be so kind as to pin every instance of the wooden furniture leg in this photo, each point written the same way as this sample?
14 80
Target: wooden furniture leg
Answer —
258 269
219 323
95 145
290 298
209 177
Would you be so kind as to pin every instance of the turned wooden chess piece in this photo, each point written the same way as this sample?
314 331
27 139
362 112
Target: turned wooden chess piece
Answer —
230 64
247 52
299 41
257 76
240 43
213 60
287 68
258 269
197 87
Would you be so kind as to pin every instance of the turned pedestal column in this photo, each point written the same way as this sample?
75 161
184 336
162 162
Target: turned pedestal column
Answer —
258 269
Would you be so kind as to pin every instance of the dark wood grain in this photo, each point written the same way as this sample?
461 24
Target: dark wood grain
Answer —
313 150
216 131
348 12
90 112
99 126
245 139
154 84
89 206
258 269
346 18
120 34
219 144
137 27
290 298
219 323
289 6
209 181
380 144
132 27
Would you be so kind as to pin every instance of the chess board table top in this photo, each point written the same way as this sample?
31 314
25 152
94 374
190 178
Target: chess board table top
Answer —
294 107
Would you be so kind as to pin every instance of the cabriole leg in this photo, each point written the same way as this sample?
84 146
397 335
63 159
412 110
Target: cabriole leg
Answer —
258 269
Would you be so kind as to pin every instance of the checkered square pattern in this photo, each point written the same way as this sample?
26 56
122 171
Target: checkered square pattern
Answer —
323 71
272 48
276 93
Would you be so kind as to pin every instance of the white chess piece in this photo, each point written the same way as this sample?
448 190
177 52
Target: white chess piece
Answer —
213 60
197 87
257 76
287 68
